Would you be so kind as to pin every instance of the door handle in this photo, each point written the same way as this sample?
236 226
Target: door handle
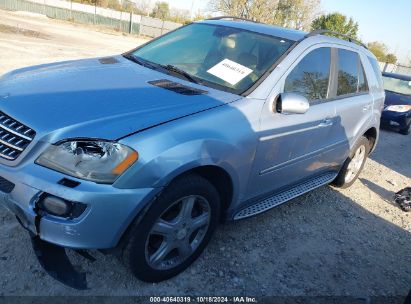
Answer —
366 108
325 123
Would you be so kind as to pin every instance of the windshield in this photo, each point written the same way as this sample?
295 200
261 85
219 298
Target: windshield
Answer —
397 85
220 57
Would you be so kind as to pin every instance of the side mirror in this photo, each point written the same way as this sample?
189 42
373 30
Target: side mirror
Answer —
291 103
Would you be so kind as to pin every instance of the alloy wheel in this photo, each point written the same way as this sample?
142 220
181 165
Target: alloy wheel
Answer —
178 232
355 164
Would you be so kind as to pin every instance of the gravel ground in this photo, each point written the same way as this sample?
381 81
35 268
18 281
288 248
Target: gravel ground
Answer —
329 242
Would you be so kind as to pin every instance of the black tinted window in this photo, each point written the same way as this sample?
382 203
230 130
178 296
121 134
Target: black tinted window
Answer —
351 75
347 72
311 75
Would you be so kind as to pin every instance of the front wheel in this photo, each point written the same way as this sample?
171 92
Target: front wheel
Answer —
174 231
353 164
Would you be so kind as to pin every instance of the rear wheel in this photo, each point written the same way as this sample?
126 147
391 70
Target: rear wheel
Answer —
174 231
353 164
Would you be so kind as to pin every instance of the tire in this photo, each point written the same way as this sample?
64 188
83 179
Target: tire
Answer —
405 131
349 173
145 245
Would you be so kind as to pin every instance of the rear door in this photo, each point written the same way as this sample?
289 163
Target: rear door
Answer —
353 101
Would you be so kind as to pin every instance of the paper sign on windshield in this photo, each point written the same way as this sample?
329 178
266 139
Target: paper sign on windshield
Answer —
230 71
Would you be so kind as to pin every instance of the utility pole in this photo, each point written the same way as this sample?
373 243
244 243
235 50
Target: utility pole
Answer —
191 10
130 29
95 11
71 10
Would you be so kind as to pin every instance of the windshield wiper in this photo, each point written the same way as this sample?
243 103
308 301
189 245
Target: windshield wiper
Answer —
172 68
140 61
155 66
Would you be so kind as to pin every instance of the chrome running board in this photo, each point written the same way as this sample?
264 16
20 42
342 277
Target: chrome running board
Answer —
284 196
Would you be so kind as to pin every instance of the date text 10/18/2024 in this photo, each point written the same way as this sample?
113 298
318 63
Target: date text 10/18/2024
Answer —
203 300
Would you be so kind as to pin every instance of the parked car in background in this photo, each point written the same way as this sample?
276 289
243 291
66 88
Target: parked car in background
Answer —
142 154
397 107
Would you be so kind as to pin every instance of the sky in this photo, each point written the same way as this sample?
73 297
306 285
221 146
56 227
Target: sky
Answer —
388 21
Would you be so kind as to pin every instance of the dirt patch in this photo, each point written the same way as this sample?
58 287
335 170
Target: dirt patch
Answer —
21 31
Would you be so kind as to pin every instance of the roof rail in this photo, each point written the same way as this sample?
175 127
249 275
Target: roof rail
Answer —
322 32
232 17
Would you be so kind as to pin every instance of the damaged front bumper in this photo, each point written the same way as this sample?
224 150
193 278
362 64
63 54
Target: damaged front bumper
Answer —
108 213
56 263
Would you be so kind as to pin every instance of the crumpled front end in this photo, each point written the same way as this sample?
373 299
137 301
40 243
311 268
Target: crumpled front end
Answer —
108 211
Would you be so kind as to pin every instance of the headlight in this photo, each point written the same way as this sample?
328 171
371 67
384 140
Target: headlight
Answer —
98 161
398 108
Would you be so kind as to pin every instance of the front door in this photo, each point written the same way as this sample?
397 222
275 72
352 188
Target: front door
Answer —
292 147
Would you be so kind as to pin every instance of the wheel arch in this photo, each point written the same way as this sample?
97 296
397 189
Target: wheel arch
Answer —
220 179
372 135
218 176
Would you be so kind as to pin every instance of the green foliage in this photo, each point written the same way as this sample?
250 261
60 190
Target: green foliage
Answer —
391 58
114 4
90 2
380 51
199 17
179 16
102 3
336 22
161 10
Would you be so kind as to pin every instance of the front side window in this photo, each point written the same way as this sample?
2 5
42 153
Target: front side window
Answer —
311 76
351 76
222 57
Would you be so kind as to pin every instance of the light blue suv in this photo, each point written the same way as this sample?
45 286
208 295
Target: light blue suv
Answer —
142 154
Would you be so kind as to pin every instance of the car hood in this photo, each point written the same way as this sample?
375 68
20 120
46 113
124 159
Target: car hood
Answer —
392 98
97 98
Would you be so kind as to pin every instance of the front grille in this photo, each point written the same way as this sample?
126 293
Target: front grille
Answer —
14 137
5 185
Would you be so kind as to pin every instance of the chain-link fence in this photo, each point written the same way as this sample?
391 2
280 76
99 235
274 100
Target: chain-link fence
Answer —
89 14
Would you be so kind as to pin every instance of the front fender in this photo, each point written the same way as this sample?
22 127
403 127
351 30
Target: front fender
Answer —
221 137
162 168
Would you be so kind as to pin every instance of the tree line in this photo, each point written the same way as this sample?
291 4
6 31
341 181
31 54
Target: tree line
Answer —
339 23
296 14
300 15
160 9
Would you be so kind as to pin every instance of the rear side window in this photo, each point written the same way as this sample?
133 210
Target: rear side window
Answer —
351 76
311 76
377 70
